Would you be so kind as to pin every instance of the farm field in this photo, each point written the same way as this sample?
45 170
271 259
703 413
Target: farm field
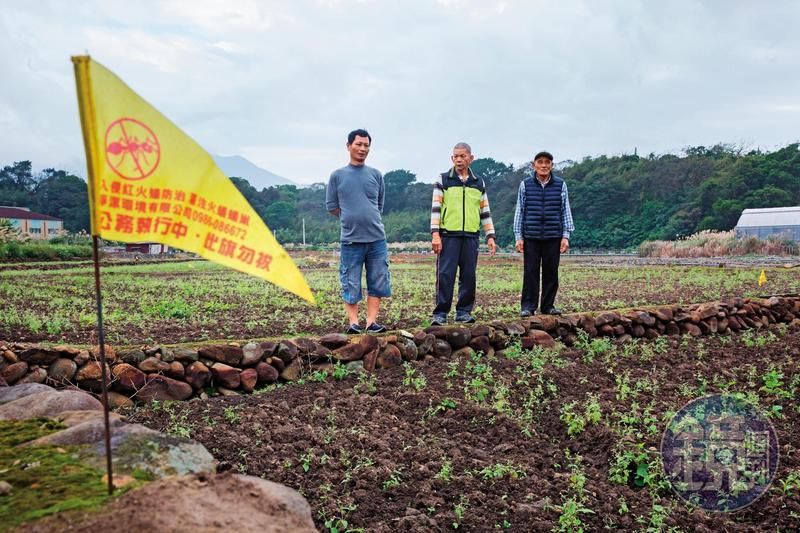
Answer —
561 440
196 301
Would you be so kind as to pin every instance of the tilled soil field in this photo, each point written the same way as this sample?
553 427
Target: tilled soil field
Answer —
197 301
520 441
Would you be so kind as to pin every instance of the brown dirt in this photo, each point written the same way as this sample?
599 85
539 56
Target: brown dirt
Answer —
191 503
372 457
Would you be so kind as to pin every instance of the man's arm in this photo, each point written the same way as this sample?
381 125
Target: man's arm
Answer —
436 215
566 219
520 244
381 192
486 222
332 196
566 213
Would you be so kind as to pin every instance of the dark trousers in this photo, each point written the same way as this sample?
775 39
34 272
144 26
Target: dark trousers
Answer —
458 253
547 254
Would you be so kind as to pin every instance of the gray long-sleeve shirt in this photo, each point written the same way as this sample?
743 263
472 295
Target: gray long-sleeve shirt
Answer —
357 191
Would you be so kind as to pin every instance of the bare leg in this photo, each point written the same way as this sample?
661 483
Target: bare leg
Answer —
352 312
373 306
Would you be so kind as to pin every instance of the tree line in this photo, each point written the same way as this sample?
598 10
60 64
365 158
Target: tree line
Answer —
617 201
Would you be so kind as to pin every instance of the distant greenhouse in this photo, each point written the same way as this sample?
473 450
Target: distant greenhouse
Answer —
777 221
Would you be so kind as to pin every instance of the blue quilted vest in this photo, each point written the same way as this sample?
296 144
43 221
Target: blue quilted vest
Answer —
541 215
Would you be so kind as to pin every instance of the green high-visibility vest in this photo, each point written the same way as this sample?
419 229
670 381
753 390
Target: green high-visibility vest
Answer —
461 204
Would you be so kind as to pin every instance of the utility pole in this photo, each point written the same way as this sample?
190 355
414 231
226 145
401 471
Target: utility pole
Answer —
304 232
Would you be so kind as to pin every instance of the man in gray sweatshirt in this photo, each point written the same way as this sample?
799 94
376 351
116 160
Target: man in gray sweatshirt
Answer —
355 194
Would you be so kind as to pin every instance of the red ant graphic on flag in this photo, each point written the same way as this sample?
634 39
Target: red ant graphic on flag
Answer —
132 149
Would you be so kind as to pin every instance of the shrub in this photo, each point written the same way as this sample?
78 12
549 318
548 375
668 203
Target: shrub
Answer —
43 251
709 243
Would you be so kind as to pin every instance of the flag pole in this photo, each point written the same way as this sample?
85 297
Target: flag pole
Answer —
101 337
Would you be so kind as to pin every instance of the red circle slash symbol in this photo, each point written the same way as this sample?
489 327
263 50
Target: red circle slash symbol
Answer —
132 149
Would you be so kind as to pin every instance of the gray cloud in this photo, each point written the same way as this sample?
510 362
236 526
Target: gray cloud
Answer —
282 83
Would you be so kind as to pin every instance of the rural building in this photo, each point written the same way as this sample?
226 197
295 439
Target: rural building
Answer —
36 225
146 248
762 223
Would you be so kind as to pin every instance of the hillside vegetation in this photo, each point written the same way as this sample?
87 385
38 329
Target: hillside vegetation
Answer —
617 202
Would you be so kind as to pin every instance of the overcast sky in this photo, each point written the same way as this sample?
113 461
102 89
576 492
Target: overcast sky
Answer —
281 83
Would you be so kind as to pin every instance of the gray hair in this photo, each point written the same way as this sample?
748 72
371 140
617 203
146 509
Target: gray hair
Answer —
463 146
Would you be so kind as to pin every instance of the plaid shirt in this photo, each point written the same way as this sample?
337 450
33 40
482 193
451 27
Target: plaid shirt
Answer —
566 213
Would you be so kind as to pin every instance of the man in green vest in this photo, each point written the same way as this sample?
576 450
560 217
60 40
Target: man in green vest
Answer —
459 208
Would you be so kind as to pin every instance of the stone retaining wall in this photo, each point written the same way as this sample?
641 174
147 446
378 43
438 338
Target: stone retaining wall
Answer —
162 373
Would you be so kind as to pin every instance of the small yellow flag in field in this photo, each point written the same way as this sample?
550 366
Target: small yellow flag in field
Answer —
149 181
762 279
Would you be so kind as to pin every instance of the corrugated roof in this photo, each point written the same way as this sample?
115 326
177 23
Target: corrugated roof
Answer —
772 216
16 212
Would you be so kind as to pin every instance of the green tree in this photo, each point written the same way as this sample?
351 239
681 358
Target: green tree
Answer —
280 214
396 182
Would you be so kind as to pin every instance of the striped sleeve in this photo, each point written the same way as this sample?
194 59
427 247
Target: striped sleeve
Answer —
518 211
486 216
566 213
436 205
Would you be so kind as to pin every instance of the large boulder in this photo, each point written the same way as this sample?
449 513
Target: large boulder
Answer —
334 340
441 348
153 365
39 355
197 375
48 404
9 394
390 357
252 352
287 351
266 373
348 352
425 346
408 349
606 317
109 352
90 376
458 337
248 378
225 376
137 448
176 371
185 355
480 344
223 353
161 388
127 378
14 372
62 371
132 356
36 374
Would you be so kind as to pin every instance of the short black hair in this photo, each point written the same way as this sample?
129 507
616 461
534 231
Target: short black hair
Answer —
358 133
543 153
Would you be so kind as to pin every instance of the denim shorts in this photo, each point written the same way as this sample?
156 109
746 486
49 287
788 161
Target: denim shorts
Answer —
376 258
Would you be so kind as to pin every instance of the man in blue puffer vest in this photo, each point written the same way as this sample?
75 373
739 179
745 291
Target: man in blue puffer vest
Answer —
542 226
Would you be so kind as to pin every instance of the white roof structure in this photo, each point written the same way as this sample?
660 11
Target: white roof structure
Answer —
772 216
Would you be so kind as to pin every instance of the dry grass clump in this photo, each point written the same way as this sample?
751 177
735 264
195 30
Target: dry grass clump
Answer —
709 243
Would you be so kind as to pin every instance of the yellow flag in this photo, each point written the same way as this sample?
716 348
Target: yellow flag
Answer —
149 181
762 279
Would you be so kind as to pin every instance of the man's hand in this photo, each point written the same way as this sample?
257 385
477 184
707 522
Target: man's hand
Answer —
436 242
335 212
492 246
564 245
520 246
